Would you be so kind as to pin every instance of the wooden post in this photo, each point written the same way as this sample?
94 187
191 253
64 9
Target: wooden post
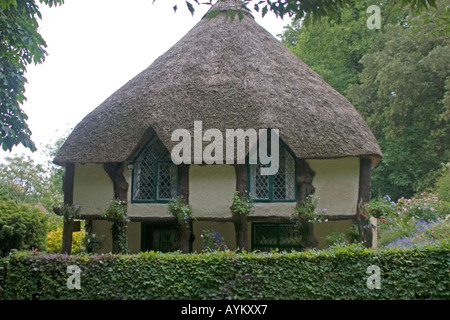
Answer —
115 172
184 230
68 178
305 176
120 184
240 220
365 171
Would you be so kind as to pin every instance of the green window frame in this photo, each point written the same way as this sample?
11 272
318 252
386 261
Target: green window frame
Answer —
267 236
155 176
280 187
161 236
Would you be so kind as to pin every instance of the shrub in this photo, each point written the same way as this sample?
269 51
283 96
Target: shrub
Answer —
420 272
426 207
335 238
425 233
180 210
308 211
117 214
399 220
213 240
54 240
242 205
22 227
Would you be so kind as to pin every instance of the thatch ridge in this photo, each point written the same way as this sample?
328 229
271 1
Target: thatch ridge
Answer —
228 74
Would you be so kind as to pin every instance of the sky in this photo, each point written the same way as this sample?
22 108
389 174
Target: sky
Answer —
94 47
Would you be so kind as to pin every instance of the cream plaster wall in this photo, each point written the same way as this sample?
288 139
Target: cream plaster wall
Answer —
211 190
212 187
92 188
337 184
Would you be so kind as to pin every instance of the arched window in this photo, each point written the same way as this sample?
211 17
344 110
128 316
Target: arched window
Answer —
280 187
155 176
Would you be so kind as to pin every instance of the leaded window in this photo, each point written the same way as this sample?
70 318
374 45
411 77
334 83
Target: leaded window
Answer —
278 187
155 176
271 236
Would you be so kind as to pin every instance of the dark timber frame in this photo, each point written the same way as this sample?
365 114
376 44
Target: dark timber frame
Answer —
184 229
365 171
68 179
305 176
240 220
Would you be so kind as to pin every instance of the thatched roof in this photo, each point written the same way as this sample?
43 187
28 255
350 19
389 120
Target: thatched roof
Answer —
228 74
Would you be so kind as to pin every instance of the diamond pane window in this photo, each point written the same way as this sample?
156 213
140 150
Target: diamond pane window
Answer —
271 236
155 176
278 187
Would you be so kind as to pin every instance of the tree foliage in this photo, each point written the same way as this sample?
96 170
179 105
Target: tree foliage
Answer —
403 95
334 47
397 77
25 181
312 10
21 44
22 227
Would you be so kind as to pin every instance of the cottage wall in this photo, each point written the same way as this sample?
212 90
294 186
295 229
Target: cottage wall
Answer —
211 189
92 188
337 184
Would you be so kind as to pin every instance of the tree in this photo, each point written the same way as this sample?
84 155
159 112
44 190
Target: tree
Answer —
25 181
21 44
333 47
22 227
312 10
403 95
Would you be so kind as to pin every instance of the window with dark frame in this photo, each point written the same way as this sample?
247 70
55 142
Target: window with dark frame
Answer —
155 176
278 187
267 236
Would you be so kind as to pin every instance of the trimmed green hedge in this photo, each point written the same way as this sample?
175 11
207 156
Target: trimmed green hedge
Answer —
421 272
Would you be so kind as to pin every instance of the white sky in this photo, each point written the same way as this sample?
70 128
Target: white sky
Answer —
94 47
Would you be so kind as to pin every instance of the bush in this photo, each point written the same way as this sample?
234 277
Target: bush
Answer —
424 233
420 272
336 238
400 220
213 240
22 227
54 240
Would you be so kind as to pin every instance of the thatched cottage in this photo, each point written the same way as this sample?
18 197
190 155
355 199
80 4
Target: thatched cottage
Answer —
226 74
